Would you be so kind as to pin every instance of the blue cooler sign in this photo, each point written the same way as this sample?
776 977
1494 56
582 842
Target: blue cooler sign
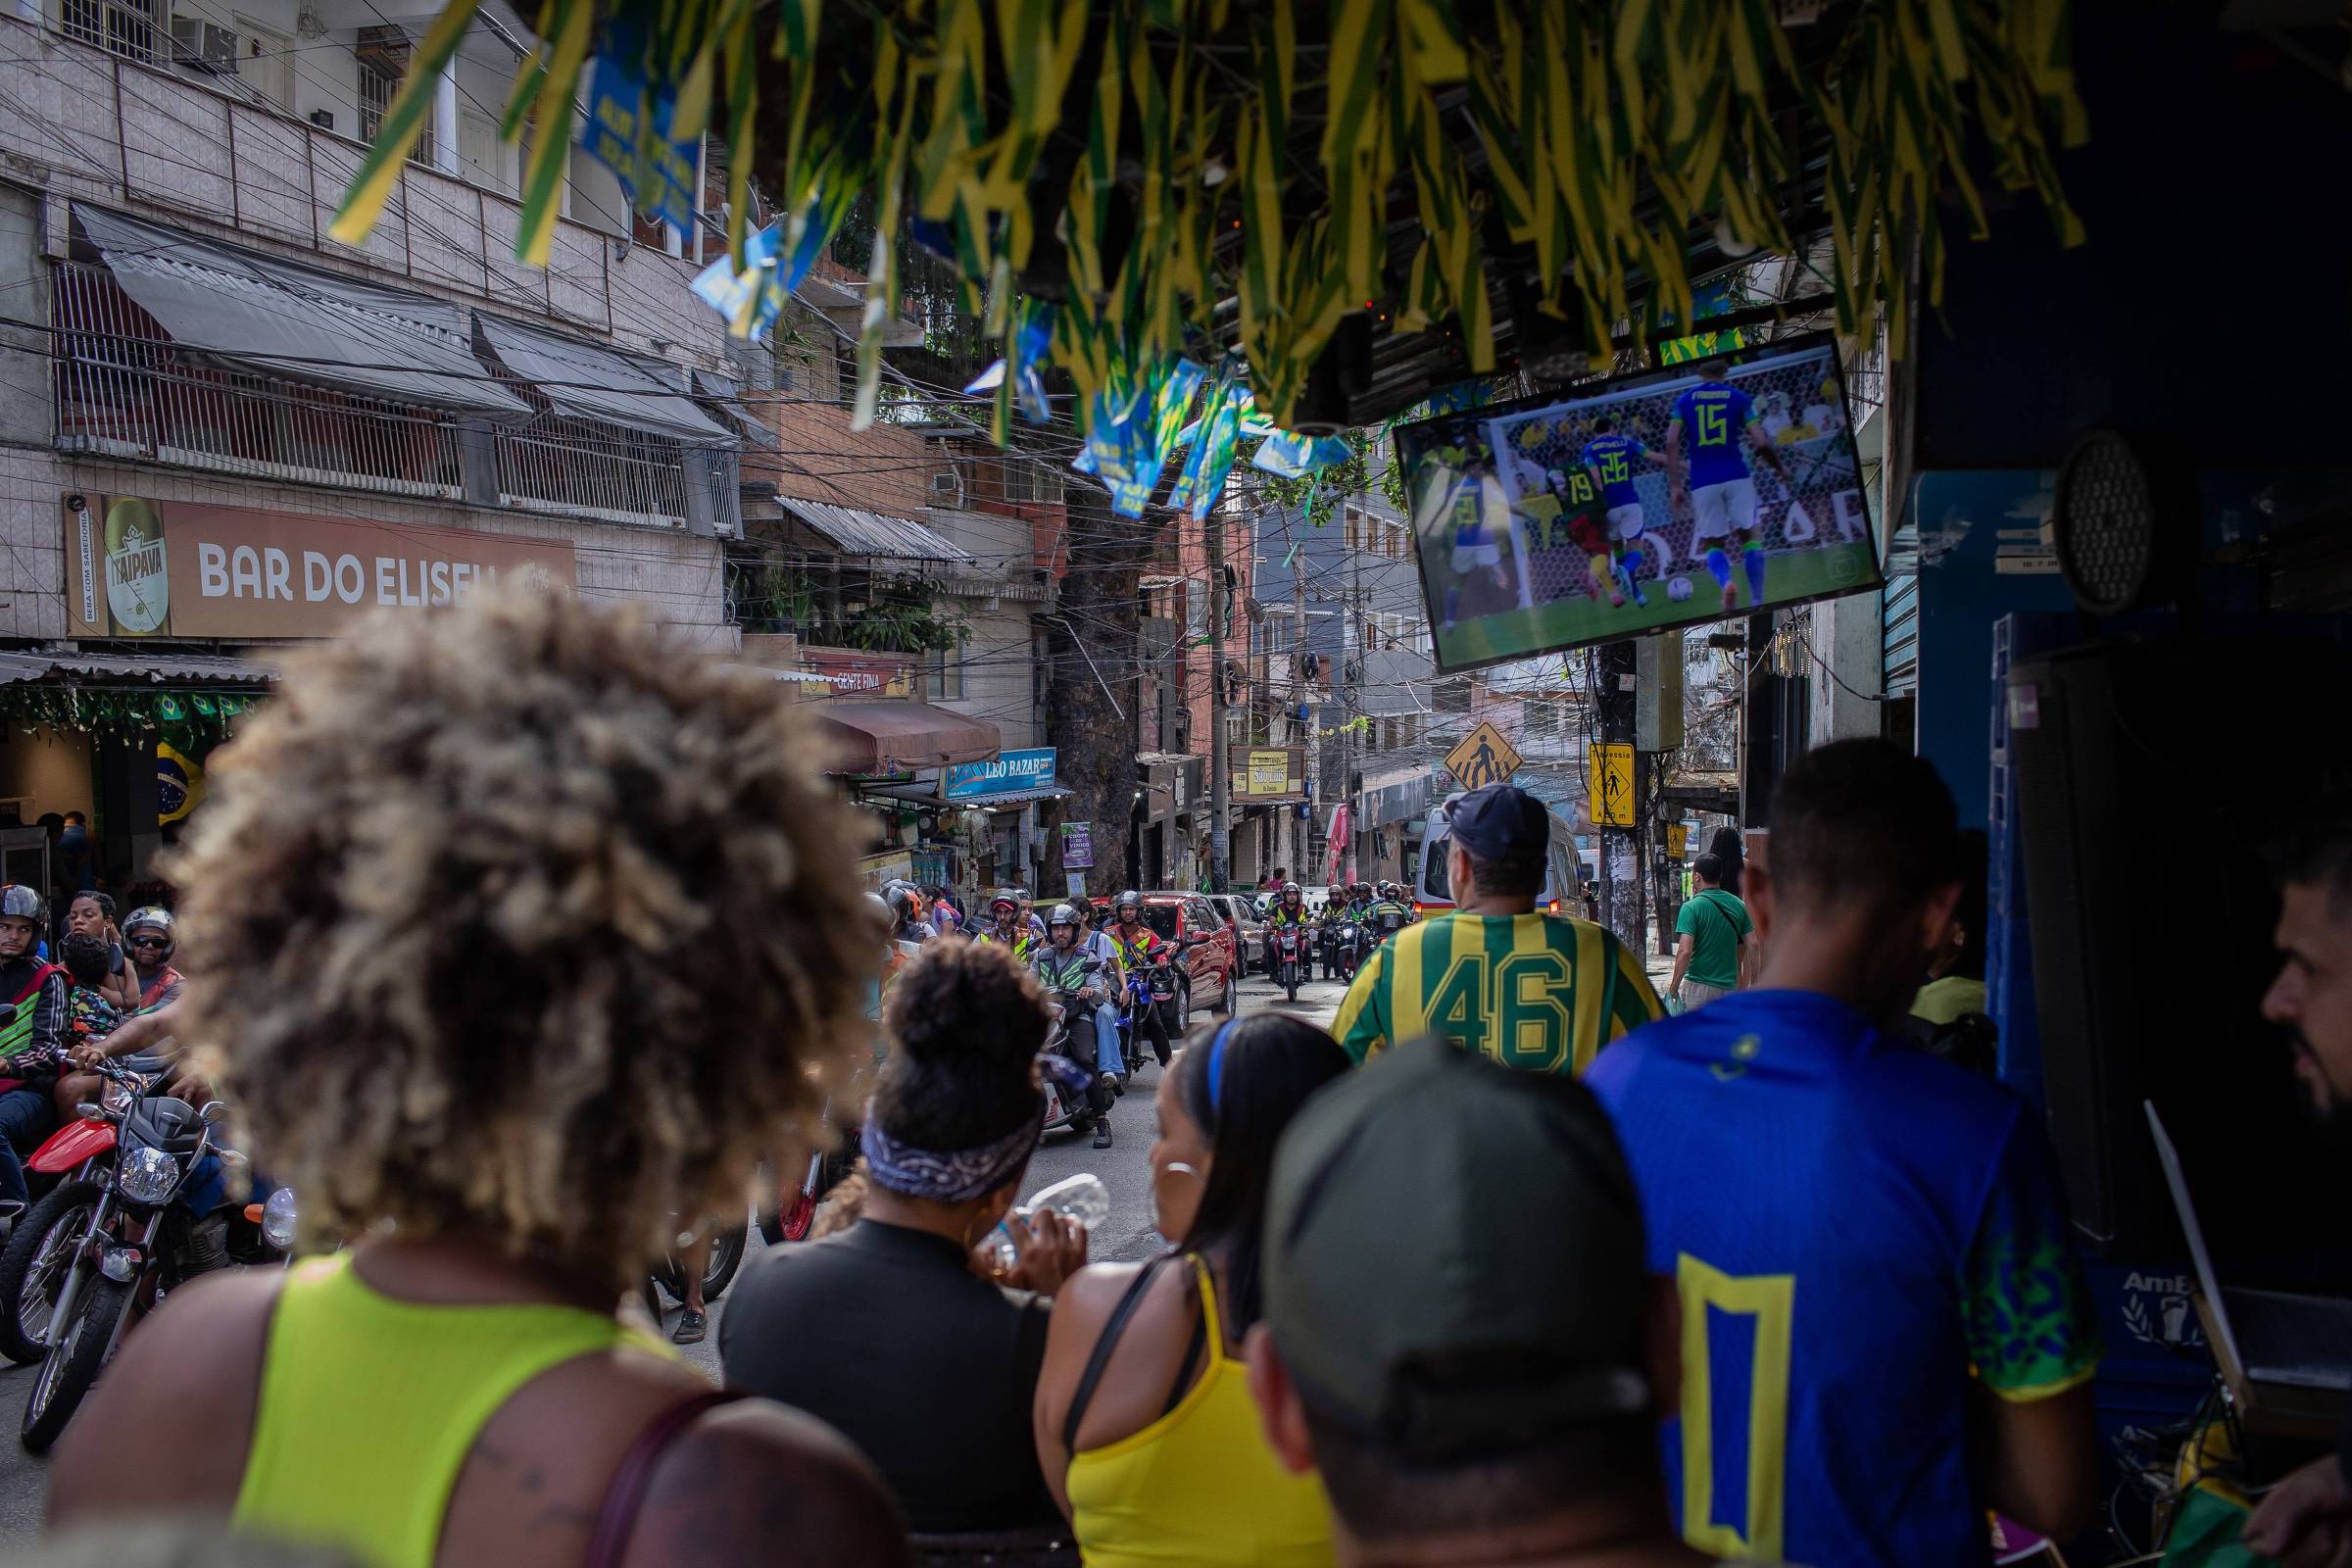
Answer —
1010 773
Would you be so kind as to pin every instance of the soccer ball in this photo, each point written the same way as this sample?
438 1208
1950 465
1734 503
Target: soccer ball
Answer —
1679 589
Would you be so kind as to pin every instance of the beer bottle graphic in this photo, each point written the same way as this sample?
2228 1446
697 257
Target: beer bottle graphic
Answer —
139 589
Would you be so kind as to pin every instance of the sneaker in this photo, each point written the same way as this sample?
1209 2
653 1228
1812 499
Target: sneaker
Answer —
1102 1133
692 1326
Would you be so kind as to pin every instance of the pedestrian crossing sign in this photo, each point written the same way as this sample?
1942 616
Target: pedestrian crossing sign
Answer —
1610 784
1484 757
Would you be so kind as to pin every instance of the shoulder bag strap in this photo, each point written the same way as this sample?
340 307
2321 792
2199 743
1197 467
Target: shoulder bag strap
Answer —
1115 1326
624 1494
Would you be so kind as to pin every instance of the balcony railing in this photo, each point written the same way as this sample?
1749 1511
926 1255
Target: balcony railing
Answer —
581 469
125 390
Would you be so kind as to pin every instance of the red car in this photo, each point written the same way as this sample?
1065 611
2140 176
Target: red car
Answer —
1209 962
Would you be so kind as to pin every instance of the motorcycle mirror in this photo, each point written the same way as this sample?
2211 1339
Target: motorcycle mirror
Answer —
90 1112
210 1112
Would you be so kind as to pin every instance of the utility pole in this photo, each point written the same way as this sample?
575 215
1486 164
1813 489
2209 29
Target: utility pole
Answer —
1220 785
1622 909
1303 826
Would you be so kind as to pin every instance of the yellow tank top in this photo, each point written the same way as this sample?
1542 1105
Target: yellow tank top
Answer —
1198 1486
370 1405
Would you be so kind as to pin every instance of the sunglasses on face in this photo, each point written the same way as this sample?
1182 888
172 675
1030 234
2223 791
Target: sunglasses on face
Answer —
149 942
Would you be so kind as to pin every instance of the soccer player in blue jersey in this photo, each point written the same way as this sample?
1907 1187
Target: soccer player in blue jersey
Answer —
1721 427
1886 1330
1614 458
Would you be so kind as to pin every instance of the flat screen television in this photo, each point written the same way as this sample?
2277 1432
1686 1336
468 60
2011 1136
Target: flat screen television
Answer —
1664 498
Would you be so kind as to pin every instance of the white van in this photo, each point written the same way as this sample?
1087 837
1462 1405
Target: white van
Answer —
1433 893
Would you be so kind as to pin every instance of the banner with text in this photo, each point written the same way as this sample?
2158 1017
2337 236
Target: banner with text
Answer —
136 567
1006 773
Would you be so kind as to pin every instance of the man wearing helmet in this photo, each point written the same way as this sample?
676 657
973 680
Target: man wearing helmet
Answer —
905 904
1006 927
1139 949
149 935
1289 909
32 1043
1064 966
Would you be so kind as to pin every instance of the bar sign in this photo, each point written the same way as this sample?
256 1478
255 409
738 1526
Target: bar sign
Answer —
89 566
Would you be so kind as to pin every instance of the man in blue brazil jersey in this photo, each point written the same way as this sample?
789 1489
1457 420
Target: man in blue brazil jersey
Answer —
1720 426
1615 459
1877 1278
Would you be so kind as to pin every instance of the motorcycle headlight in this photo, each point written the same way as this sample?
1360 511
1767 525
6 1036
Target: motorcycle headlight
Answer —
277 1219
117 1098
146 1175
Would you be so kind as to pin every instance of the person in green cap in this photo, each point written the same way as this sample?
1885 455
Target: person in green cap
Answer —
1492 1402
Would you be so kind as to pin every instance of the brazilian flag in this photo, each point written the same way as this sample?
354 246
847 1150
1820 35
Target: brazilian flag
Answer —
179 783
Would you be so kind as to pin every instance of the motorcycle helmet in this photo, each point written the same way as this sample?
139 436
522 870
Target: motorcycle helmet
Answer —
20 903
1005 899
1289 887
151 918
902 904
1063 915
1130 899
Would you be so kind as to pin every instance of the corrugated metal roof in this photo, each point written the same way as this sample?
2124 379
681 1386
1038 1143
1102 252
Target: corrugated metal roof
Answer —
870 533
156 668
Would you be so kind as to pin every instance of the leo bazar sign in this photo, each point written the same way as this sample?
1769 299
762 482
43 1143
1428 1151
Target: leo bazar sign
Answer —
136 567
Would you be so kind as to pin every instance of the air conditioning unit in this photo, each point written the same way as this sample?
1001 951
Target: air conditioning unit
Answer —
203 45
947 488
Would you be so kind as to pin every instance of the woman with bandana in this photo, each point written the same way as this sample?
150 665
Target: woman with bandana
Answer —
896 1330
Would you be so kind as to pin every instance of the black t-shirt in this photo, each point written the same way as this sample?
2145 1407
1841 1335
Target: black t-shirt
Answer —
884 1334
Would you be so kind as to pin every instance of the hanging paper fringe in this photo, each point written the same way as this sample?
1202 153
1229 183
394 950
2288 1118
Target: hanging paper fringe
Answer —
1115 135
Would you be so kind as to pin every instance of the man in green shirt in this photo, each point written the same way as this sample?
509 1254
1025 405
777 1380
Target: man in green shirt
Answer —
1715 939
1542 993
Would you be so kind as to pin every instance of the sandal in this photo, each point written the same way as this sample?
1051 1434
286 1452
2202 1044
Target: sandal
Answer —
692 1326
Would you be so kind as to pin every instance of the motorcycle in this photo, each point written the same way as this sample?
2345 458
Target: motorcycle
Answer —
1066 1083
1349 948
1290 957
155 1220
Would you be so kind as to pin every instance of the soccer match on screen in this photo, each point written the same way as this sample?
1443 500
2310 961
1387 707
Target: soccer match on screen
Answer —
1671 497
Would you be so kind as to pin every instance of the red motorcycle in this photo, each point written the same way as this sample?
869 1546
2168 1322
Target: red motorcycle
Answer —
1289 943
77 1161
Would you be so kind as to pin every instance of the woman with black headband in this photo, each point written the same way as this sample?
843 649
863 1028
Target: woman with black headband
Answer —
1145 1423
888 1330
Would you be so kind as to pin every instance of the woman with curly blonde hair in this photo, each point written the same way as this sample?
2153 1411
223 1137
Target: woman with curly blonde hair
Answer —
525 934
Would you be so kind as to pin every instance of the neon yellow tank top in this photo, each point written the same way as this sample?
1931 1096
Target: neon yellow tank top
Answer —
1198 1486
370 1405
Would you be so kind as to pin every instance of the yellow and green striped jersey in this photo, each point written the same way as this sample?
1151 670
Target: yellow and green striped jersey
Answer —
1539 992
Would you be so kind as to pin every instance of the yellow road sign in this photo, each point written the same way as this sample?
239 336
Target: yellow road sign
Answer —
1484 757
1610 784
1678 839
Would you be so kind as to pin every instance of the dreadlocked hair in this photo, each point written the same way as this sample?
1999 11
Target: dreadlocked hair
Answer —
521 925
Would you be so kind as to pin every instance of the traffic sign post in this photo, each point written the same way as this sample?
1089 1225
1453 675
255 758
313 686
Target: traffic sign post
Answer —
1484 757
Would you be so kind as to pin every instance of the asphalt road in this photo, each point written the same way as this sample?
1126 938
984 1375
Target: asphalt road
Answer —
1126 1235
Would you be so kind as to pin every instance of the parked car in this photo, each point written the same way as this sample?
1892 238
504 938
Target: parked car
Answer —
1209 966
1239 910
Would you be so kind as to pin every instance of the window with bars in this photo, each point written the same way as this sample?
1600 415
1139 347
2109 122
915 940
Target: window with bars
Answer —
1031 480
135 29
383 55
125 390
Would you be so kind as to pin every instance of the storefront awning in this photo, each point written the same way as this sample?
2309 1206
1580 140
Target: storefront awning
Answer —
255 313
585 380
721 391
897 735
928 795
870 533
153 669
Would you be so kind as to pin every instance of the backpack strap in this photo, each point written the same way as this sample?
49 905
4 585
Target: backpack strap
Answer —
624 1494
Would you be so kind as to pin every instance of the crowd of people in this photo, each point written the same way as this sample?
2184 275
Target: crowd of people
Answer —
512 978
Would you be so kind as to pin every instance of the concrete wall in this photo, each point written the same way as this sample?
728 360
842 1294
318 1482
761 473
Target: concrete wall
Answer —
52 768
1000 660
1848 634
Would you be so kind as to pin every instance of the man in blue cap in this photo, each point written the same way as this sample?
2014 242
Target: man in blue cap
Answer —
1538 992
